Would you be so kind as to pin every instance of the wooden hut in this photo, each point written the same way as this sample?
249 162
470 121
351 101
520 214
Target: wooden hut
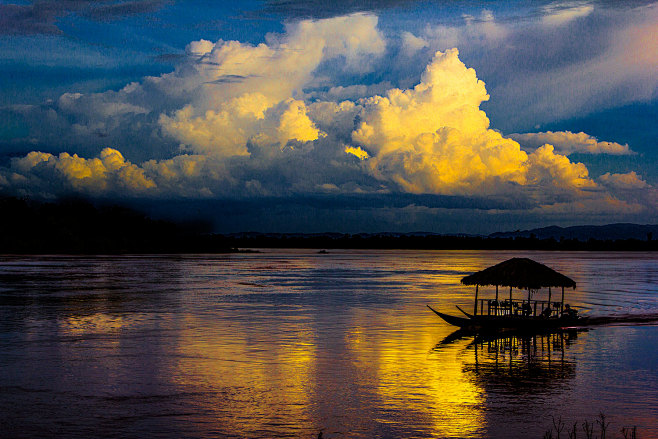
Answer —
520 273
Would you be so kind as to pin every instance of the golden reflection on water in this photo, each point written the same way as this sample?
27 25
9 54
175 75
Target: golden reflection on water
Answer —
372 369
246 381
440 396
280 386
94 324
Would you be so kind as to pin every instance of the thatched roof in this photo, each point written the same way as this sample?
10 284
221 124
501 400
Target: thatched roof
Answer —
519 273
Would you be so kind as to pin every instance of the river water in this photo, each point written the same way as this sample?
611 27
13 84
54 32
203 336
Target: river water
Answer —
293 343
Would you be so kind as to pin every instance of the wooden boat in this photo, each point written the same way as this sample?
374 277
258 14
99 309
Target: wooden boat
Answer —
493 315
485 323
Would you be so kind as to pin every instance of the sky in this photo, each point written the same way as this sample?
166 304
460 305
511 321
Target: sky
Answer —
347 116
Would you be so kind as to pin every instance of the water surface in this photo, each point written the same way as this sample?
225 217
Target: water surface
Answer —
291 343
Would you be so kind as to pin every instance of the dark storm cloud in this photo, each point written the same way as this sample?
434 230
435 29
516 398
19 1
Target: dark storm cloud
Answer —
29 19
363 202
344 213
40 17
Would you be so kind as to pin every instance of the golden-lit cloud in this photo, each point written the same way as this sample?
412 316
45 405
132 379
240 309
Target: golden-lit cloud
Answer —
108 173
248 92
434 138
267 120
247 118
549 169
357 152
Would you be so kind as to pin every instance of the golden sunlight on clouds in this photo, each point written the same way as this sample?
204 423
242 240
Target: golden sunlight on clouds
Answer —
357 152
249 126
96 175
249 91
435 139
552 169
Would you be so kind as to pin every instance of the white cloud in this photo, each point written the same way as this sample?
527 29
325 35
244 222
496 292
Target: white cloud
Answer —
557 14
411 44
567 143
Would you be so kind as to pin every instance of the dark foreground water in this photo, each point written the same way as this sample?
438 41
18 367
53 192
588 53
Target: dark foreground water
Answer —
288 344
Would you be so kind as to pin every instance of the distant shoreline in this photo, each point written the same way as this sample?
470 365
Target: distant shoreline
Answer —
79 227
221 244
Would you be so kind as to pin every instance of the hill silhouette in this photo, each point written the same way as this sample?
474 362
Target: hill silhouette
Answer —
614 232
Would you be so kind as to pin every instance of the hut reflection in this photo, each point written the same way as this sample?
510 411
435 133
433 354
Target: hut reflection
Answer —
522 364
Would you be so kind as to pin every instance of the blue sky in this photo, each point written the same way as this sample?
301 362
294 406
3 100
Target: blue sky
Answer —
356 116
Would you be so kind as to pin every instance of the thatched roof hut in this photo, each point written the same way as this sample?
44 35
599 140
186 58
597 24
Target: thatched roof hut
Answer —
522 273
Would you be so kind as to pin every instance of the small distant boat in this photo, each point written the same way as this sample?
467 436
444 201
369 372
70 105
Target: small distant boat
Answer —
494 315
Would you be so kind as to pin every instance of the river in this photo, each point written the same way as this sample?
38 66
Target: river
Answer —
291 343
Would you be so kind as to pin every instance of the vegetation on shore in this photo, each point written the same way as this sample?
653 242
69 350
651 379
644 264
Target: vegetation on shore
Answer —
597 429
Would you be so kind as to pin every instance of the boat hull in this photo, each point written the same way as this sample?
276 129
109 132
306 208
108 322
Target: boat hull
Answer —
508 323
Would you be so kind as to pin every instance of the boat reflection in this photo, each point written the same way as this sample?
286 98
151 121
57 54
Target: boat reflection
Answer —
518 363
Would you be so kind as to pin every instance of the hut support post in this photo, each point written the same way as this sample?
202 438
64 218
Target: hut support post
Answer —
496 300
562 302
475 305
510 300
549 297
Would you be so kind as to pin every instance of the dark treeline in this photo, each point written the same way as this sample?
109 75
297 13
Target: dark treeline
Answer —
80 227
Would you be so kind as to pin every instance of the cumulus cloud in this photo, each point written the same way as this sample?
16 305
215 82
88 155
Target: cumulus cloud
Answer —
244 119
411 44
259 104
110 173
550 169
434 138
567 143
629 180
246 125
